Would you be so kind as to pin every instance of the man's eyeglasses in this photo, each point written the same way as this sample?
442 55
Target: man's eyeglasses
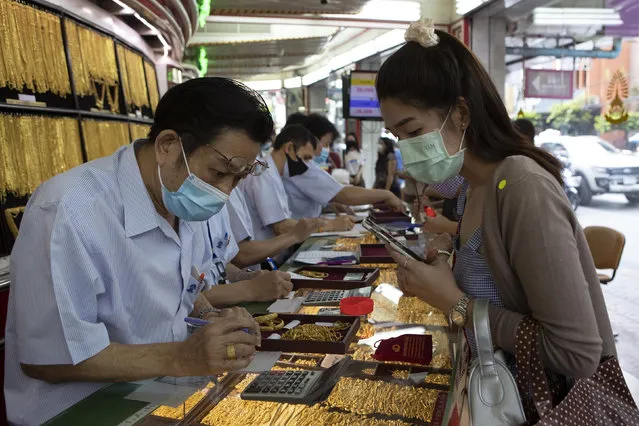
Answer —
239 165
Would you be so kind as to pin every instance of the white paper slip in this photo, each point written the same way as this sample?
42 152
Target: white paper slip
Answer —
322 254
283 306
193 382
359 228
325 324
354 276
274 336
161 393
295 276
344 234
262 362
292 324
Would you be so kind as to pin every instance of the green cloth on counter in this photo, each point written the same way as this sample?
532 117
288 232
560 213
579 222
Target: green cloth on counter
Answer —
106 407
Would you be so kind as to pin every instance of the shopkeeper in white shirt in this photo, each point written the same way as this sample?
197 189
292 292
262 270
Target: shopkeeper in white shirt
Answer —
229 284
266 199
252 252
309 192
103 268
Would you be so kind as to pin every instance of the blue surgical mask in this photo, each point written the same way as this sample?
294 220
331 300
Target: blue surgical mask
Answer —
321 159
195 200
426 158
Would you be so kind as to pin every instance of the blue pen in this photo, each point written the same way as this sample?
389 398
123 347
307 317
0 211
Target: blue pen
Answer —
201 323
271 263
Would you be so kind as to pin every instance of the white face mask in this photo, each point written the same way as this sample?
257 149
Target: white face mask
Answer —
426 158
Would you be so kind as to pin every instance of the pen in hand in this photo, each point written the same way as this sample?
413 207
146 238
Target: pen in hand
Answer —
201 323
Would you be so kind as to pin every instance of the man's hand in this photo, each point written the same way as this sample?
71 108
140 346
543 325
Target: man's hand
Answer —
305 227
341 223
205 351
270 286
342 208
395 203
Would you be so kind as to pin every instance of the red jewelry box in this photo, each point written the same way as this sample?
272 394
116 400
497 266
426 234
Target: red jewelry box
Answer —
374 253
335 279
387 217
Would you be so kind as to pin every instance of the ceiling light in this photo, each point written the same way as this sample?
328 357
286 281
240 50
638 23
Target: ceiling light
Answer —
315 76
264 85
462 7
576 16
125 9
166 46
146 23
293 83
389 10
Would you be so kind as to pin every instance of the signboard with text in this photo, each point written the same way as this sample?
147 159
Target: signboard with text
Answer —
549 84
363 102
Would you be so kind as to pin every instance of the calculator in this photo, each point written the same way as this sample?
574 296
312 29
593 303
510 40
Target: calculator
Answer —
325 298
333 297
282 386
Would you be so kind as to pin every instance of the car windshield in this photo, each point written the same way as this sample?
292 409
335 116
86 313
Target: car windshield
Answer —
584 148
608 147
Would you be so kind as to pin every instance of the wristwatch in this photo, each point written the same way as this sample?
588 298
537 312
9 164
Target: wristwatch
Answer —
458 315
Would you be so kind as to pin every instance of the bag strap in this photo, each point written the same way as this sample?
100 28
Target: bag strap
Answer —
490 385
531 376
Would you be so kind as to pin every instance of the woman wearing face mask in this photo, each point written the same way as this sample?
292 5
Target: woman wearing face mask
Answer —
386 167
520 244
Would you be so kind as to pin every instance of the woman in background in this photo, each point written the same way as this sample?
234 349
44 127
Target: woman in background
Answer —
386 167
353 162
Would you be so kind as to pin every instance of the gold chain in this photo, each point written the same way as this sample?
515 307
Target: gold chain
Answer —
364 396
152 84
233 411
25 160
139 131
94 66
31 50
131 65
102 138
316 332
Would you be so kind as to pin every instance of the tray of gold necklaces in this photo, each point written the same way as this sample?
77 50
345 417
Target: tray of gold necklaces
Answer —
352 401
323 334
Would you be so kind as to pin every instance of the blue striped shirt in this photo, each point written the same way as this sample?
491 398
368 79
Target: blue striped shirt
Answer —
94 263
308 193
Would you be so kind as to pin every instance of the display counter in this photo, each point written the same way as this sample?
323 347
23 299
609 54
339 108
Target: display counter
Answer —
370 393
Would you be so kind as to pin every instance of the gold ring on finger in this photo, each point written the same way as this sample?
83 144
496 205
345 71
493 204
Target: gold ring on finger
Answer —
230 352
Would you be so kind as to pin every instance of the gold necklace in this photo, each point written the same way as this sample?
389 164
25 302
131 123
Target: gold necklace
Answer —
152 84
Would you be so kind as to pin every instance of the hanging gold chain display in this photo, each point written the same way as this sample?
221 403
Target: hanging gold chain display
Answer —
152 84
34 149
139 131
31 50
95 70
102 138
134 83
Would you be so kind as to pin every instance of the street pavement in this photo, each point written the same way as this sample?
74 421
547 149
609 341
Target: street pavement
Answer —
621 294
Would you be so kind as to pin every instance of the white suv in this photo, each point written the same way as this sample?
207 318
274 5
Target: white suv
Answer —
603 169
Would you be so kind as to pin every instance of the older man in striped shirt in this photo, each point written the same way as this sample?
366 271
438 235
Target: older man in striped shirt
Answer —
112 256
